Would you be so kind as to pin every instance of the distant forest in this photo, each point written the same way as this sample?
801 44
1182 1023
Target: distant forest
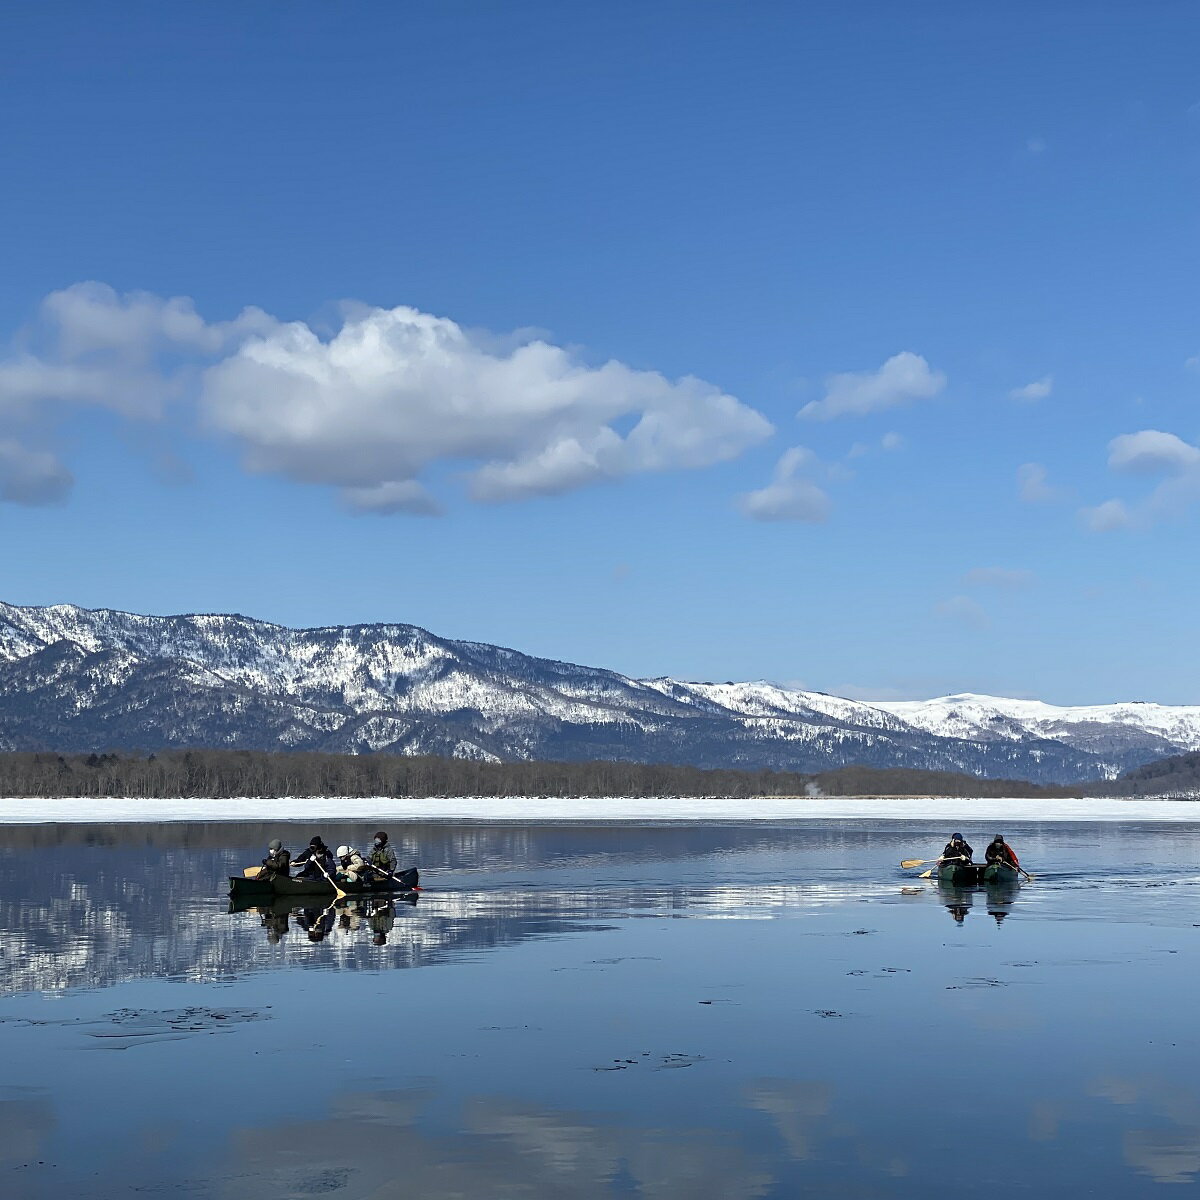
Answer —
1175 776
222 774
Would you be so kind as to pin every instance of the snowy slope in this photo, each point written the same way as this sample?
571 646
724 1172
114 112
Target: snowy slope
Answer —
80 679
1156 729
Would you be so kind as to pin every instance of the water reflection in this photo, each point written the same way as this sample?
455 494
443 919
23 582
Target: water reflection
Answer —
351 918
88 906
997 899
733 1011
382 1144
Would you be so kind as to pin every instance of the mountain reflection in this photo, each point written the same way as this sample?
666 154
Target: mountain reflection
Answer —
92 906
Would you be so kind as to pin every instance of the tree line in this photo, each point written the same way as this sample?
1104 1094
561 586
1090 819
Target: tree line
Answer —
223 774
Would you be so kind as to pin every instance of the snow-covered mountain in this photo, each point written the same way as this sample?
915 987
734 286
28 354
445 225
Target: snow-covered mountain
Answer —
74 679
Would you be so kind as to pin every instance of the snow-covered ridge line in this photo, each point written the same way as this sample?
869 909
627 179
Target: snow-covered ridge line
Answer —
600 811
75 679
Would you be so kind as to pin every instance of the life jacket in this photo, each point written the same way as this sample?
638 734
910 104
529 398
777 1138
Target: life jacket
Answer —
381 857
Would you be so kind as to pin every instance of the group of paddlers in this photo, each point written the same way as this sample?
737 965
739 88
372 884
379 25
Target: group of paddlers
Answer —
958 850
344 865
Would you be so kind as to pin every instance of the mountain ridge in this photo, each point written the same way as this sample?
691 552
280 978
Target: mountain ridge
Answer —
76 679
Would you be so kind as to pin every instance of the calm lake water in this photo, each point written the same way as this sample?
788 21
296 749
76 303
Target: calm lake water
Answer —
672 1012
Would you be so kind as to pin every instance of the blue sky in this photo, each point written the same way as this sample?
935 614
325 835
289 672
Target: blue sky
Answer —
853 346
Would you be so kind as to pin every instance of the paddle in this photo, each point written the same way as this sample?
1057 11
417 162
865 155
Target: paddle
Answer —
388 875
341 895
252 872
918 862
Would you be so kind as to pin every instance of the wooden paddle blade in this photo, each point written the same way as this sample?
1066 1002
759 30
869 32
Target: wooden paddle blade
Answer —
913 862
252 872
926 874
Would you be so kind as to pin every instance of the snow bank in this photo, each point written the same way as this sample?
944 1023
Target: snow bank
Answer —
540 810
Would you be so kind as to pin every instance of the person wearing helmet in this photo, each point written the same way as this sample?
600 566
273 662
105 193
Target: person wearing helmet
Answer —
315 857
382 856
277 862
1000 851
351 866
958 849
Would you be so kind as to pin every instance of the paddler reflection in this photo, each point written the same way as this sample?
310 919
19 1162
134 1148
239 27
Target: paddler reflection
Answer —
999 899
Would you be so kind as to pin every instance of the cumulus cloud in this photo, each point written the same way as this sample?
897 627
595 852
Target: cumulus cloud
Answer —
792 494
1032 486
366 410
1039 389
963 610
1104 518
396 390
1152 452
903 378
1008 578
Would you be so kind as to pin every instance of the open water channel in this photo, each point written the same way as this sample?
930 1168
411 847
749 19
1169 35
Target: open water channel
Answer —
673 1012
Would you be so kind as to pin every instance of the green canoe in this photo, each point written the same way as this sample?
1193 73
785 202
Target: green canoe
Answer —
278 885
972 874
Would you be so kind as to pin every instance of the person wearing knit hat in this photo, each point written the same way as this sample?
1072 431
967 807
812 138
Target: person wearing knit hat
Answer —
382 856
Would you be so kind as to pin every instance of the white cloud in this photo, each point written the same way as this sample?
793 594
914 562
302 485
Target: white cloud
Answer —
1152 452
31 476
1149 452
963 610
1039 389
389 394
1032 486
791 495
892 442
1106 517
904 377
998 577
396 390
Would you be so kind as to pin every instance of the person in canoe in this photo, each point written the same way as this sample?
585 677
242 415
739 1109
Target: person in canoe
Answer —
957 849
1000 851
383 855
277 862
312 859
351 866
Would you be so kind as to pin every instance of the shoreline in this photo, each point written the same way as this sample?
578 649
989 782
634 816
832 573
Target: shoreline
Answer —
598 811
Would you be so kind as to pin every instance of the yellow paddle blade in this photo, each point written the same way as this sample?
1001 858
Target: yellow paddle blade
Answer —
913 862
252 872
926 874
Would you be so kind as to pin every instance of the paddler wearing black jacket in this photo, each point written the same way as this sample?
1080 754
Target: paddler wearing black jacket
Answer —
957 848
1000 851
316 853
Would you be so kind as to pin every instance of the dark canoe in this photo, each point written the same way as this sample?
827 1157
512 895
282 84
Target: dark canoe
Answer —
240 886
973 874
1000 873
960 874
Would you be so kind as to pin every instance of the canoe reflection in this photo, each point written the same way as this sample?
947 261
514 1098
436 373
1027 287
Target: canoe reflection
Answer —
997 898
352 918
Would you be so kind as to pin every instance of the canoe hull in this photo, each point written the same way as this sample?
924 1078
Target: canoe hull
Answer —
240 886
1000 873
973 874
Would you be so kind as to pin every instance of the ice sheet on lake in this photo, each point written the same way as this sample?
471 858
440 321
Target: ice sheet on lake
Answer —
549 809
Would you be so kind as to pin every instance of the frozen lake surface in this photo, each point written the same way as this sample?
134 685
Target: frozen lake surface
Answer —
672 1012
